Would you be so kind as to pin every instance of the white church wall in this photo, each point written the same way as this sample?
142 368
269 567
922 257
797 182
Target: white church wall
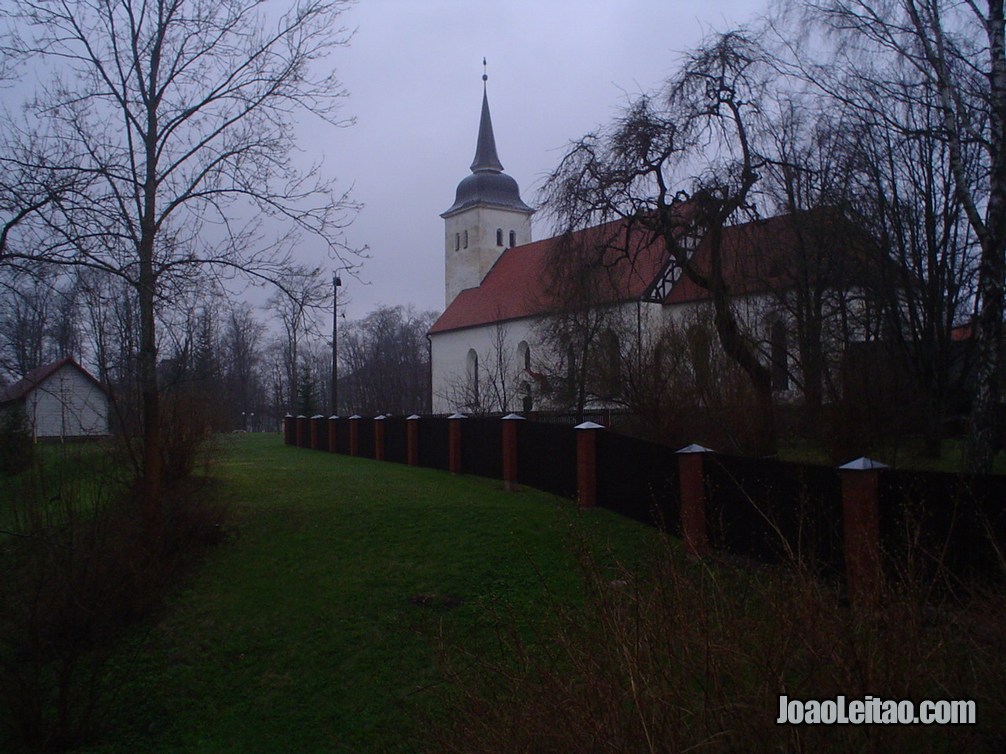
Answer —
500 366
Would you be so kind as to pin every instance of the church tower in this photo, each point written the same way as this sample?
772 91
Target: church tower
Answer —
487 217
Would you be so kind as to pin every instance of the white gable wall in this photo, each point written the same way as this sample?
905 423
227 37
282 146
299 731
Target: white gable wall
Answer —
67 404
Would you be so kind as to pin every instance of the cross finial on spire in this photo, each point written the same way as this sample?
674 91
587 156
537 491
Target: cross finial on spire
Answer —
485 76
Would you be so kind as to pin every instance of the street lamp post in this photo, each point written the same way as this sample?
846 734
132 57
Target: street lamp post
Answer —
336 282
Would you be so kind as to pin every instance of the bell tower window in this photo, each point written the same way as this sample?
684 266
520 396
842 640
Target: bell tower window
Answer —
457 241
499 236
513 238
466 239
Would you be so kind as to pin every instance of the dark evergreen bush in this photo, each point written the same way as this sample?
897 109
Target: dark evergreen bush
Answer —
17 451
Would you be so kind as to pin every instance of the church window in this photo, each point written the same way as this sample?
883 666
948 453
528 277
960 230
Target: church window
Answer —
513 238
473 378
457 241
499 236
524 354
466 239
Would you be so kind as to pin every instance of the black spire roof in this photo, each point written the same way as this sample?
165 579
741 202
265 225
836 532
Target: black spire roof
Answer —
486 158
487 184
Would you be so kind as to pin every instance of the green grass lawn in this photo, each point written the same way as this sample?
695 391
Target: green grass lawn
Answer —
314 627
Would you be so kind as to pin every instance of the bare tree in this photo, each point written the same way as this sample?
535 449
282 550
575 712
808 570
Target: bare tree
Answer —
957 54
242 356
385 362
182 116
680 167
297 305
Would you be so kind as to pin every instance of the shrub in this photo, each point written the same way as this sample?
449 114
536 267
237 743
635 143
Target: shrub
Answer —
17 451
81 568
690 656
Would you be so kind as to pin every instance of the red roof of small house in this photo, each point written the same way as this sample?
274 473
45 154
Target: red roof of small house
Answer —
757 257
18 390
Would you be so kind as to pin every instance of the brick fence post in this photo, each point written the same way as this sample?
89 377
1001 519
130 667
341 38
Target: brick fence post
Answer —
861 527
354 434
511 423
301 431
289 430
412 440
692 488
586 463
454 442
379 427
333 434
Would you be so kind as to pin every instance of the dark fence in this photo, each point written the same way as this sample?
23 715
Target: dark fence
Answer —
774 511
638 479
482 446
342 435
434 447
943 525
365 444
319 429
396 439
546 456
929 526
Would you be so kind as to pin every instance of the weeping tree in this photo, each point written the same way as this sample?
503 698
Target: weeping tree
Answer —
177 121
680 166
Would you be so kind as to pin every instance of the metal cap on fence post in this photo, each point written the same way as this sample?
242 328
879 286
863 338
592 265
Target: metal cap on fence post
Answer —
586 463
692 488
861 528
333 440
301 431
289 430
354 434
454 442
379 437
412 440
510 424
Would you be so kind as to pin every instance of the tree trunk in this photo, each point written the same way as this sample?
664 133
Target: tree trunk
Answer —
981 439
150 486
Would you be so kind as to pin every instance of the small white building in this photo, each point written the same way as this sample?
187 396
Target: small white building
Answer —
60 400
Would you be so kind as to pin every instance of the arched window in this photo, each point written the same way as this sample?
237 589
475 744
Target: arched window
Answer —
499 236
473 377
780 356
513 238
466 239
524 355
457 241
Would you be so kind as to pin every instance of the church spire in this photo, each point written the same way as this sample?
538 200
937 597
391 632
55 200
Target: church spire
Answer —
486 159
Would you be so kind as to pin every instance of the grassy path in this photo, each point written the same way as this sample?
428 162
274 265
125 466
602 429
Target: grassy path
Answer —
313 628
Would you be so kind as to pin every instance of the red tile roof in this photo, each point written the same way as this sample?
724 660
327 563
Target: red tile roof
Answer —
518 284
18 390
756 258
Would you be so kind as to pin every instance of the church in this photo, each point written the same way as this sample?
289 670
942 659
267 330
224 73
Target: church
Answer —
489 349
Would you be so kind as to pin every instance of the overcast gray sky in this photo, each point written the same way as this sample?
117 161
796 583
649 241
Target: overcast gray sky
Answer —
557 69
